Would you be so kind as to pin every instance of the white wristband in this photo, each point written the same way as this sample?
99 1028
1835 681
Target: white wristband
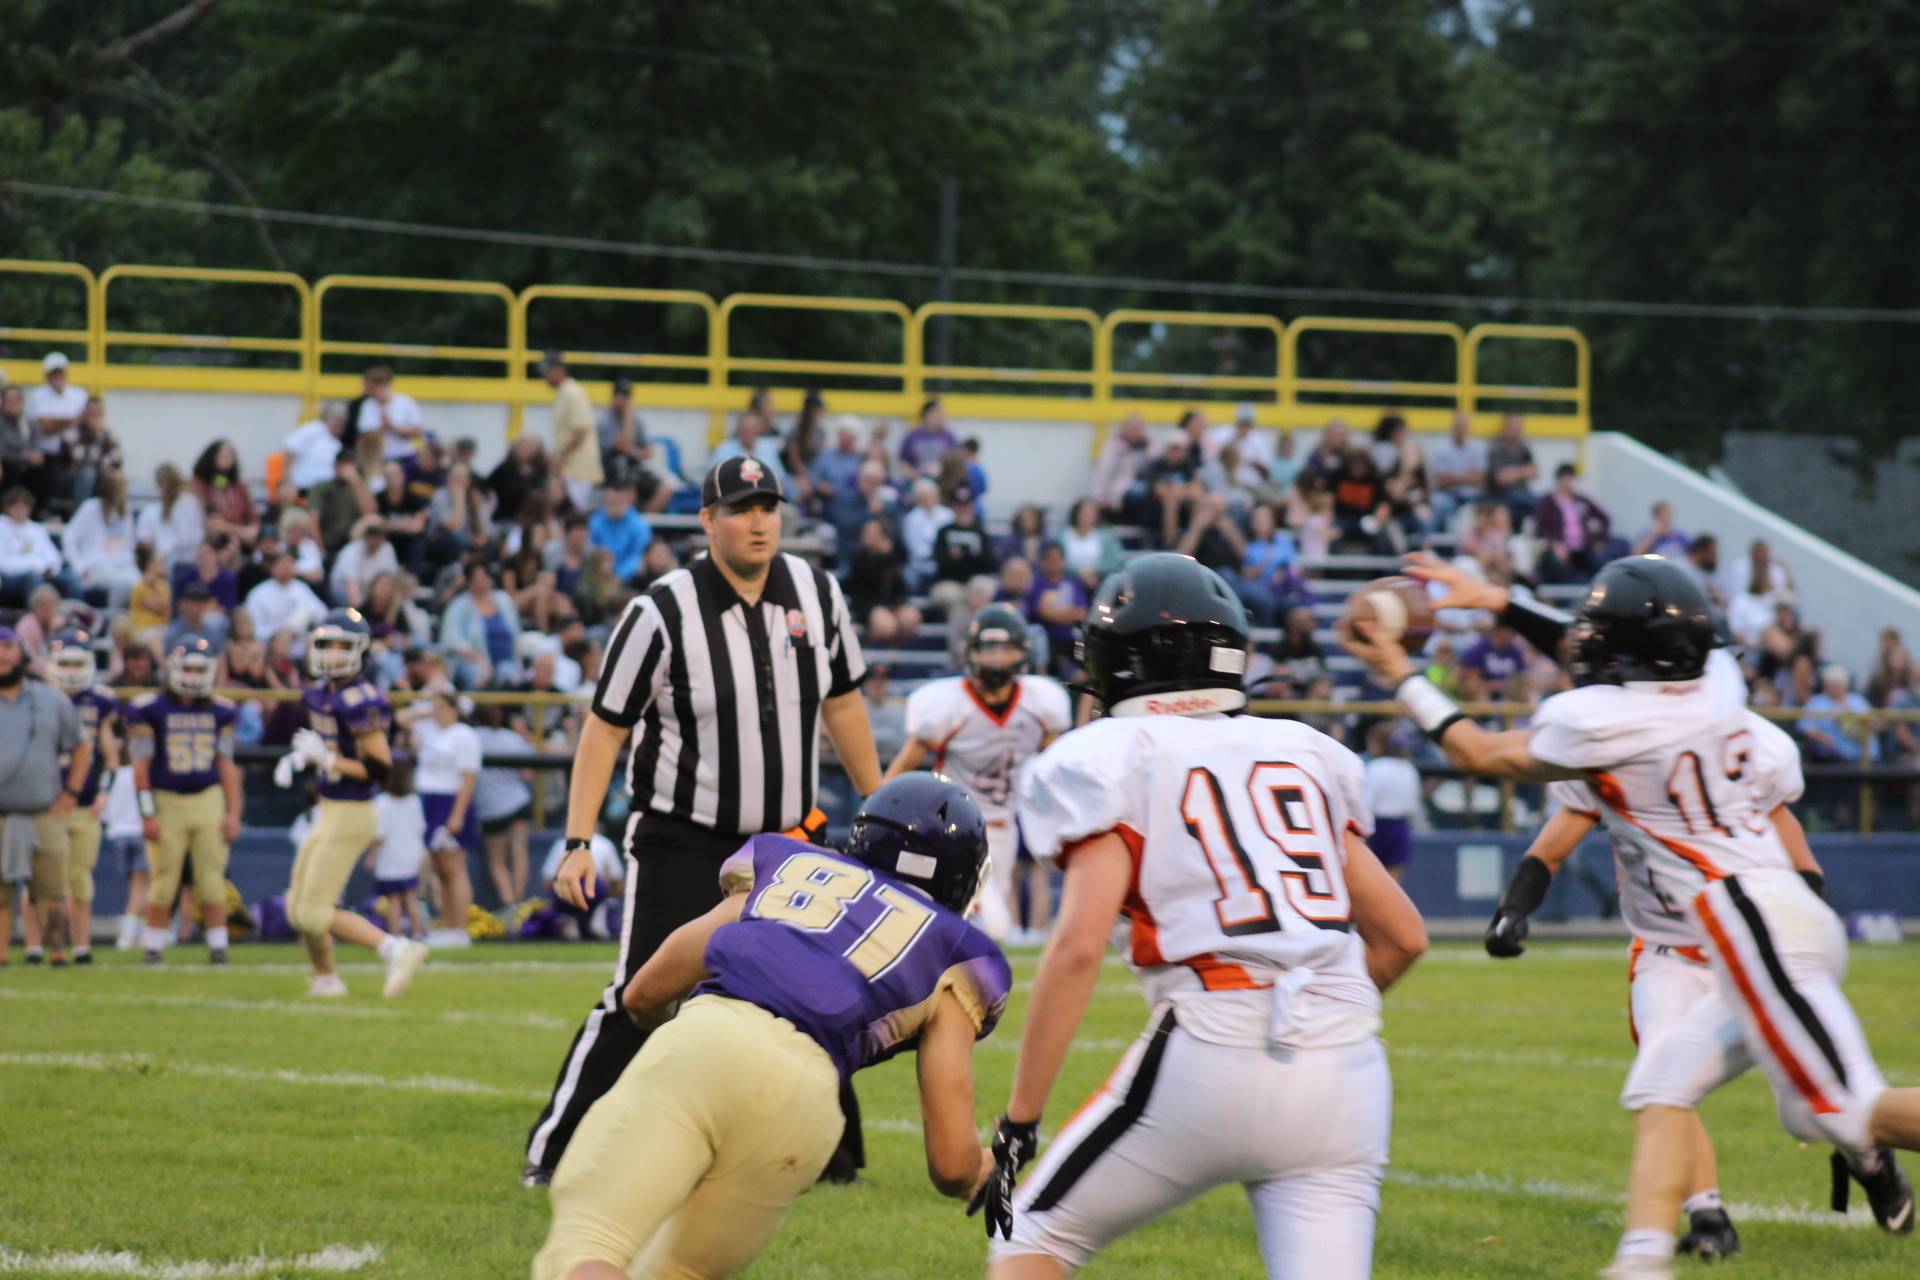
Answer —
1431 709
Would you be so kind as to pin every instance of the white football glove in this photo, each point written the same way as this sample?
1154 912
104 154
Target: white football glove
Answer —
288 765
313 748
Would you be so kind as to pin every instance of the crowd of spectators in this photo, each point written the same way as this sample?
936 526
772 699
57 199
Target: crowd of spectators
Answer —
508 578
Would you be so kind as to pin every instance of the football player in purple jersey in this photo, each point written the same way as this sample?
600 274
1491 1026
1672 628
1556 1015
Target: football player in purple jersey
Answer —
71 669
815 965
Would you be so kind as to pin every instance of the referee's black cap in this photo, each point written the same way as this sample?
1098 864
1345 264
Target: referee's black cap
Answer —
738 479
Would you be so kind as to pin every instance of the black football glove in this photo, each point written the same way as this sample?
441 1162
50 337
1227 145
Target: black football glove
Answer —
1505 935
1013 1147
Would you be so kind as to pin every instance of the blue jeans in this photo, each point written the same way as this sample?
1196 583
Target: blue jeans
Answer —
16 587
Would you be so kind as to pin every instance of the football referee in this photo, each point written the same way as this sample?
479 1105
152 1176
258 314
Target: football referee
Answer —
724 671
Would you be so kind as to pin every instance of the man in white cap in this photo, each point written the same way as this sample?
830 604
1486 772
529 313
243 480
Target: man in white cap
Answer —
1253 447
57 405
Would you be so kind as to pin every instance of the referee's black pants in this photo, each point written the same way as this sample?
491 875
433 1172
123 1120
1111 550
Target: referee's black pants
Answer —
675 880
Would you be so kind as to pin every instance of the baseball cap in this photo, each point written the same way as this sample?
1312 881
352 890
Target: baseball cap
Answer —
9 636
54 360
553 355
1245 412
738 479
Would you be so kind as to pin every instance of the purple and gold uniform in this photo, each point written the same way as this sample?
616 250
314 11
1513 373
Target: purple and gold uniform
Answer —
731 1110
184 741
95 708
344 824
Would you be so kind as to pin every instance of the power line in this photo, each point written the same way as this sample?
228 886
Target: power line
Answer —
977 275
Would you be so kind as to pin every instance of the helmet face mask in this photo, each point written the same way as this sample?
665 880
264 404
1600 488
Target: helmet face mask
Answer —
70 663
192 673
998 648
337 647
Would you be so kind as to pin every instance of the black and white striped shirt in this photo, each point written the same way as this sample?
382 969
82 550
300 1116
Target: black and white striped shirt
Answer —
726 696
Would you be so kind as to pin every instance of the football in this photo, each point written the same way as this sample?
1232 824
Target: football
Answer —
1397 607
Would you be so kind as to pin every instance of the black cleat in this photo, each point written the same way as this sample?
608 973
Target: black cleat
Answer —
1889 1194
842 1170
536 1176
36 957
152 956
83 957
217 958
1710 1235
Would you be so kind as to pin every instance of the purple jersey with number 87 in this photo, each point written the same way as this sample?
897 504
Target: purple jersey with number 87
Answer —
853 958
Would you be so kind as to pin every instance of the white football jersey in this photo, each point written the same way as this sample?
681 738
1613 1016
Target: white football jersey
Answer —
1686 780
982 747
1239 906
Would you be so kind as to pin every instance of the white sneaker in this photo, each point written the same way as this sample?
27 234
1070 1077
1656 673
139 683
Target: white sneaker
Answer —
327 986
1639 1266
445 939
403 964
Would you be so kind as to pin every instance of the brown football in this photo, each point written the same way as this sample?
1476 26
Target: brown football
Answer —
1397 607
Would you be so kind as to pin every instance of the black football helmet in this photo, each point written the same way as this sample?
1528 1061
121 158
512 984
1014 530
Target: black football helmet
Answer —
927 831
1644 618
1163 624
994 625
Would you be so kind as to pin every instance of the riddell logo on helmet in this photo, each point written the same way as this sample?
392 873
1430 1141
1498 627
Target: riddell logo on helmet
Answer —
1179 706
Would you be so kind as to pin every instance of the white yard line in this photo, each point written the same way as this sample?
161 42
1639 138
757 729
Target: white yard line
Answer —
1551 1189
439 965
143 1063
320 1008
335 1259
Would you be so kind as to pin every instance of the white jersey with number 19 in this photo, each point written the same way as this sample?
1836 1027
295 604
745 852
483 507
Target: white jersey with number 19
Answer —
1239 908
1685 778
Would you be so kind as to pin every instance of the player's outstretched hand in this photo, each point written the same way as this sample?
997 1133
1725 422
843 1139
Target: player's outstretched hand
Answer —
1385 660
574 881
288 766
1013 1147
1506 935
1463 589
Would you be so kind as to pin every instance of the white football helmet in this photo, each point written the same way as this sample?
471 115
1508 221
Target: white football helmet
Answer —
338 645
192 670
70 664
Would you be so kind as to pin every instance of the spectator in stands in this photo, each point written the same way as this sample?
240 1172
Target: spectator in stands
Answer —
209 570
340 503
1119 483
1574 528
659 561
224 498
99 542
961 552
1212 535
39 624
27 554
1172 482
922 448
622 435
870 498
919 527
150 606
391 417
1404 469
1026 535
402 512
1498 656
1893 687
523 471
1329 457
974 472
1252 448
312 446
1265 578
367 554
18 457
1458 471
1780 642
1297 659
1058 602
283 601
1360 506
480 631
1828 738
1661 538
139 668
459 518
1758 568
876 578
393 619
576 440
298 535
1092 548
1752 608
618 528
836 470
1702 563
90 450
1511 470
58 404
198 617
981 591
174 524
802 445
886 711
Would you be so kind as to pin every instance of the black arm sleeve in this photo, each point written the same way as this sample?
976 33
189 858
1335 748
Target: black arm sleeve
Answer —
1539 625
1526 888
377 770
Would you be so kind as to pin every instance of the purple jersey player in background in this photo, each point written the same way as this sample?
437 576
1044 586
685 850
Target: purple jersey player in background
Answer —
815 965
70 666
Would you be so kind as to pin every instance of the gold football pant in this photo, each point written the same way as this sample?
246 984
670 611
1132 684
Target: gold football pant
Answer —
188 822
690 1161
342 830
50 857
83 851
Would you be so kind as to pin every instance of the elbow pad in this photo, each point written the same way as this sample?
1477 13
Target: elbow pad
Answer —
377 770
1539 625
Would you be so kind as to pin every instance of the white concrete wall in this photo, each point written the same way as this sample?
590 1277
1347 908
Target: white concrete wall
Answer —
1847 599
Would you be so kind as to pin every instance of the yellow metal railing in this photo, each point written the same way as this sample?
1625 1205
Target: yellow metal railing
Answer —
891 379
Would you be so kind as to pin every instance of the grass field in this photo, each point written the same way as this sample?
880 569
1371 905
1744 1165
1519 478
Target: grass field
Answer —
216 1123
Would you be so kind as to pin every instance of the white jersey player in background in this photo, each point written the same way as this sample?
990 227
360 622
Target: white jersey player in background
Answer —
1661 733
978 729
1262 933
1668 973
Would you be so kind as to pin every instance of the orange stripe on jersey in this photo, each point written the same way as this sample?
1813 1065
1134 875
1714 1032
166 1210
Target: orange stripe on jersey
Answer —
1614 796
1795 1072
1220 975
1000 714
1145 948
1633 968
940 748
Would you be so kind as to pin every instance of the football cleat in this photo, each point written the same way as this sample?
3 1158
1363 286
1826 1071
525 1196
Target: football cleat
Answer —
152 956
217 957
536 1176
36 956
405 962
1710 1235
1889 1194
1638 1267
327 986
83 957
